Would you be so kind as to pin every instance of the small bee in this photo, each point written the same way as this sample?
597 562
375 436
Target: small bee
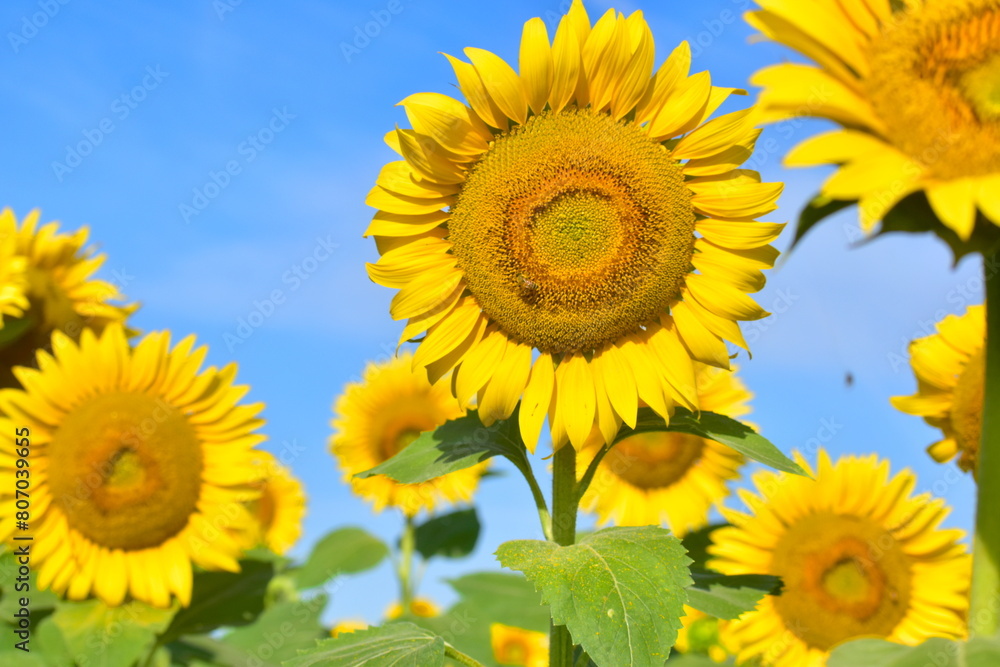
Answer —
528 288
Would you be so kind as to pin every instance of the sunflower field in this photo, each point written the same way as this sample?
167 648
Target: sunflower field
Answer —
590 354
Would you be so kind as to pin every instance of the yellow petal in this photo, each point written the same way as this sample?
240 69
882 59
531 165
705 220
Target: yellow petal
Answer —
827 25
501 83
684 104
618 382
673 70
834 147
724 161
954 202
480 365
429 158
456 355
608 423
882 170
399 178
793 90
449 333
567 66
403 271
111 584
723 299
988 197
781 30
632 86
675 363
424 293
394 224
702 344
715 136
505 387
579 21
576 398
605 56
535 62
735 195
723 327
448 122
647 383
391 202
475 92
536 401
739 234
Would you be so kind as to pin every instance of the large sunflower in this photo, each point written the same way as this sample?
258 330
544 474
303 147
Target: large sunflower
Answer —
586 209
139 465
914 85
673 477
951 368
858 555
518 647
381 415
61 292
13 281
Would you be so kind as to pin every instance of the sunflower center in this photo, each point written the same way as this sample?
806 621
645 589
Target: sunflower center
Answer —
846 570
397 439
654 460
573 230
512 652
129 473
935 82
967 408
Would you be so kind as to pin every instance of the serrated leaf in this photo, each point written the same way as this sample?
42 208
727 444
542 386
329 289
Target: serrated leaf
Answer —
285 628
697 542
726 430
818 208
223 599
504 597
619 591
342 551
455 445
110 636
451 535
977 652
393 645
728 597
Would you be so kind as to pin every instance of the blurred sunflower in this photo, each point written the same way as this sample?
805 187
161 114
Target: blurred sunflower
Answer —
380 416
514 646
279 510
61 293
914 85
139 465
347 627
586 208
13 280
419 607
700 634
951 367
650 478
858 555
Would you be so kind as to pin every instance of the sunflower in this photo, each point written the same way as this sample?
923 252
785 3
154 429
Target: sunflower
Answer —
858 554
419 607
514 646
951 367
700 634
673 477
913 85
140 464
381 415
577 233
61 293
347 627
13 280
279 510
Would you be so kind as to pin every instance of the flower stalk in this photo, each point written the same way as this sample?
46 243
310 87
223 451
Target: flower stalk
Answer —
565 502
985 592
407 544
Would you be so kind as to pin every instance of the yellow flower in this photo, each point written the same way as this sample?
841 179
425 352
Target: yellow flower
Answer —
584 208
858 554
13 279
951 367
420 607
673 477
914 85
378 417
139 466
514 646
700 634
279 510
347 627
62 295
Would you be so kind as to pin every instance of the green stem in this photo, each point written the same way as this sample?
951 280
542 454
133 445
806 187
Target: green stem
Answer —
985 594
536 492
406 547
564 508
459 657
588 476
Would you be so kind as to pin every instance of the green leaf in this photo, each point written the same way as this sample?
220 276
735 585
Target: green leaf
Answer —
690 660
13 329
977 652
223 598
343 551
279 634
816 210
728 597
452 535
393 645
455 445
110 636
620 591
913 214
697 542
720 428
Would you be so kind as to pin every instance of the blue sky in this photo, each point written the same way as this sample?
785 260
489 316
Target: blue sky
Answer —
221 151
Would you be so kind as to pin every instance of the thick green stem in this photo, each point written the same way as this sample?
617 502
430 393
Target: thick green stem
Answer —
564 508
985 595
406 547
